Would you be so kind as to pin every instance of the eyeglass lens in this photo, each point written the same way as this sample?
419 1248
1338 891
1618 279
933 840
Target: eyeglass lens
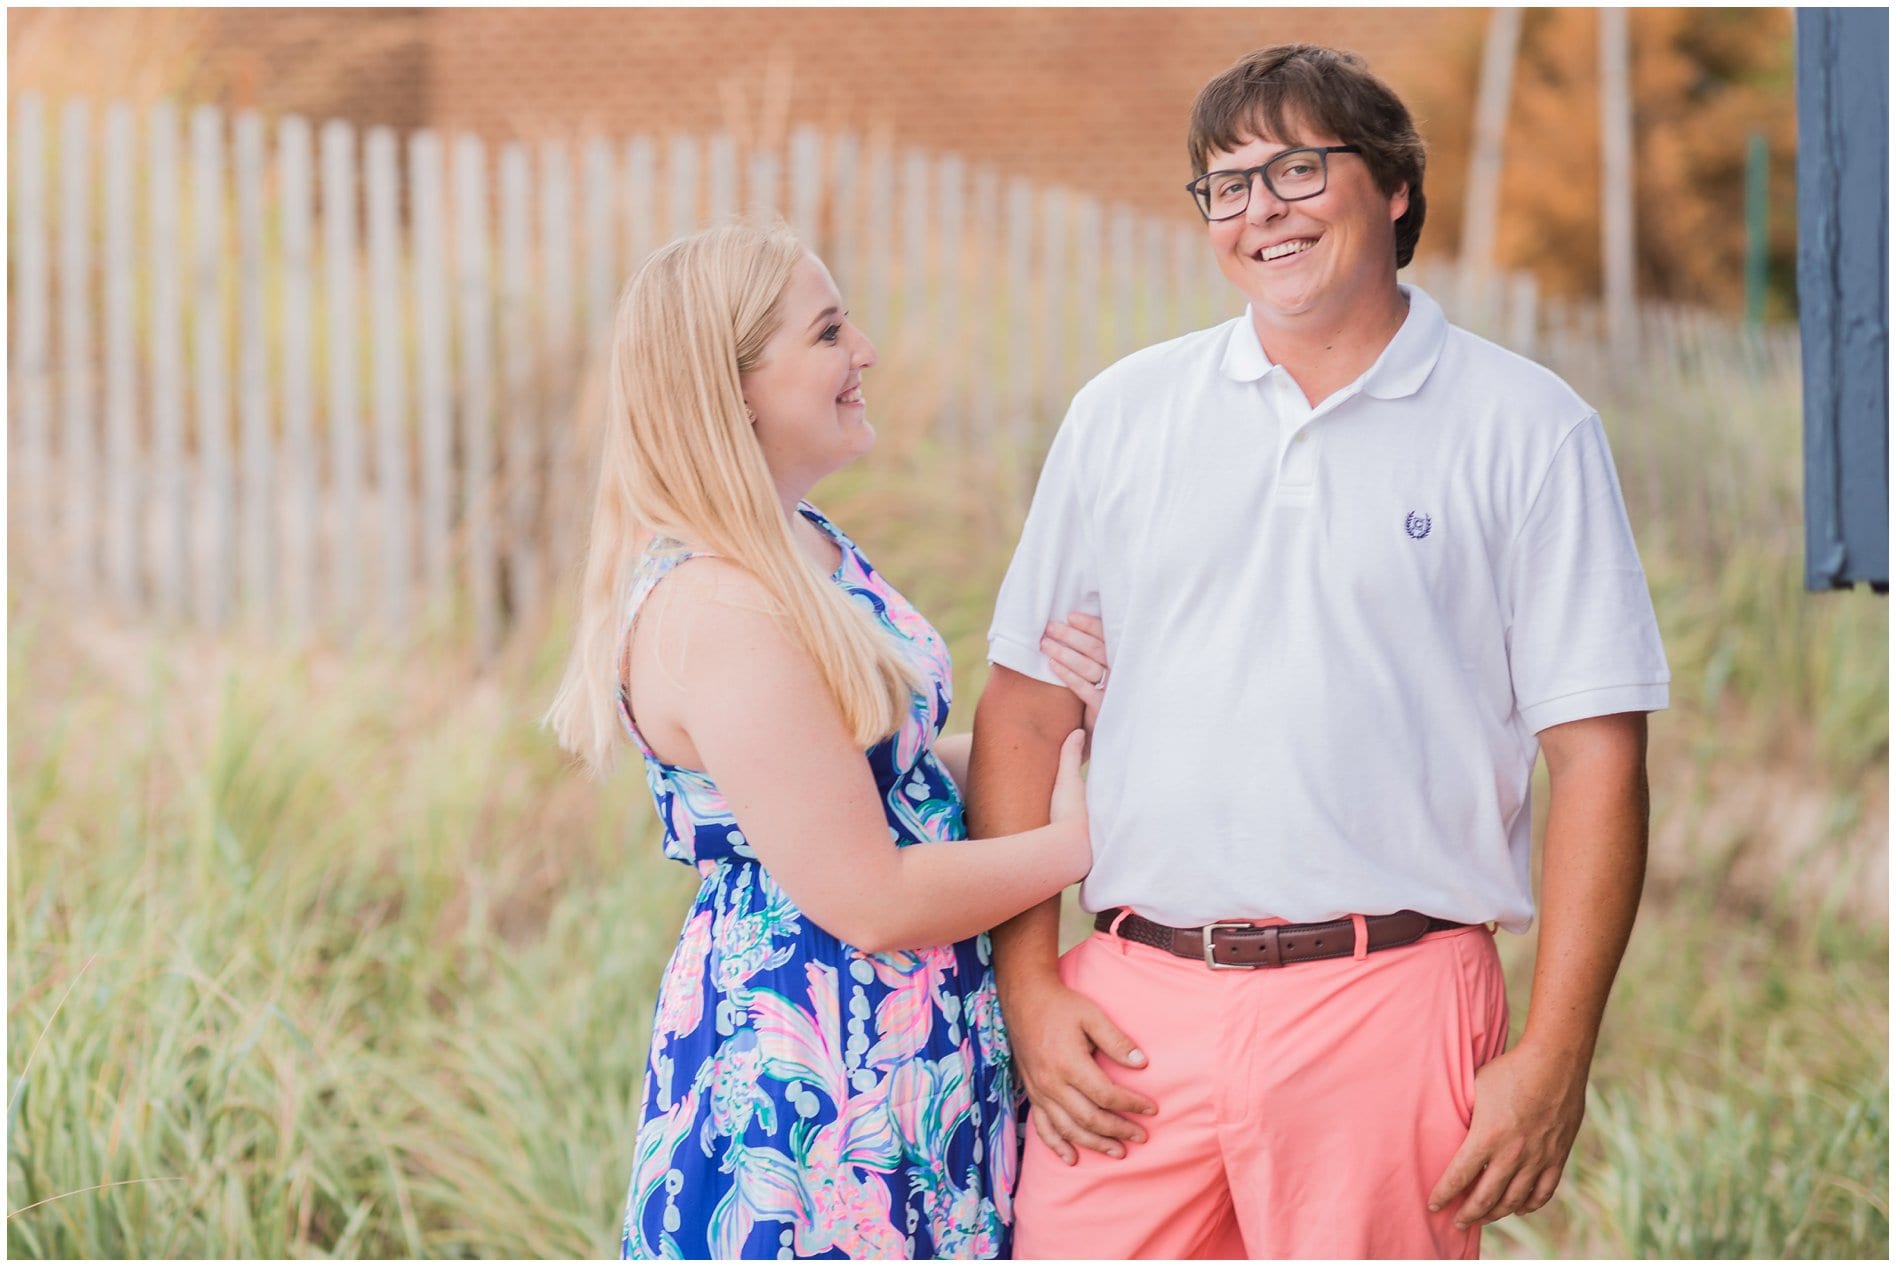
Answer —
1291 175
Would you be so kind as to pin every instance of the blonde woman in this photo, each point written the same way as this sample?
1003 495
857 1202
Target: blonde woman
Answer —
828 1075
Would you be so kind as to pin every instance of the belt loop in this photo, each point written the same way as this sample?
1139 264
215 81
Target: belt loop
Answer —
1112 930
1362 936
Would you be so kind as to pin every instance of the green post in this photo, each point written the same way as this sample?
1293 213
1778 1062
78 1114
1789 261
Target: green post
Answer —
1757 210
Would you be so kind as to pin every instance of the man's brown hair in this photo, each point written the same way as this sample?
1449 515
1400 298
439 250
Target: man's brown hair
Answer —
1277 89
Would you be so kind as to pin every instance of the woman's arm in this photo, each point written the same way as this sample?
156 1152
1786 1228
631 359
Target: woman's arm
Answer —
768 733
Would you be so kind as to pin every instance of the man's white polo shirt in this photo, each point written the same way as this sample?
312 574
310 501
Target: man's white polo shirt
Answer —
1334 632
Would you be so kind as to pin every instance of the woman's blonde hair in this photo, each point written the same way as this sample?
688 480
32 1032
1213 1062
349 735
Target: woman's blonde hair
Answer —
680 459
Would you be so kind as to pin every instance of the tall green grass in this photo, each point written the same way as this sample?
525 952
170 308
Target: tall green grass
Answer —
315 955
316 959
1739 1106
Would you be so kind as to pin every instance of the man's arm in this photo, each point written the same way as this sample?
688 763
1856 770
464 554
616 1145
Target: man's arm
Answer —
1529 1101
1053 1031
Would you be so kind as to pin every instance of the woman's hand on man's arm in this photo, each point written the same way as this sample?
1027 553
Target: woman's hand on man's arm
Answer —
769 734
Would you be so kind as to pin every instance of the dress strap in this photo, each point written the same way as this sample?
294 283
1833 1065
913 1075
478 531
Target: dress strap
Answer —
830 530
660 557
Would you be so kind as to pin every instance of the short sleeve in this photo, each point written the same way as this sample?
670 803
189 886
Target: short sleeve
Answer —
1054 570
1582 639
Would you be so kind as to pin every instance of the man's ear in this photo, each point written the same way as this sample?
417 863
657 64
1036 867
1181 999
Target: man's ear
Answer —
1399 202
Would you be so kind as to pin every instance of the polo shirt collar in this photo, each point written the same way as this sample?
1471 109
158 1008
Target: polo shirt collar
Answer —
1400 371
1244 358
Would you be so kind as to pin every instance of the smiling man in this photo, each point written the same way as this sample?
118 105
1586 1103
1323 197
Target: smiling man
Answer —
1357 568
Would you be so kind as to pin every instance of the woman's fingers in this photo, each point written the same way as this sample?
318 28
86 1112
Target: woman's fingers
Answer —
1070 754
1082 667
1088 638
1090 625
1073 681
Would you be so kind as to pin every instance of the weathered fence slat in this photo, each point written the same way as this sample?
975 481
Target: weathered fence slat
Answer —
720 169
216 495
559 361
477 392
1052 332
1154 265
1219 298
806 187
122 500
846 246
600 251
256 544
914 314
1088 243
165 184
1018 290
1187 294
434 400
79 445
681 185
763 185
952 302
388 363
878 232
642 233
984 200
1125 302
296 581
557 268
344 420
32 317
519 420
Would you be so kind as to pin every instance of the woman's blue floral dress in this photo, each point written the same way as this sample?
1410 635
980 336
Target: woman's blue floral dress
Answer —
804 1098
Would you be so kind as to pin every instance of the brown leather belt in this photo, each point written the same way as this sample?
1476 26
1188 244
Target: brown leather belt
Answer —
1246 945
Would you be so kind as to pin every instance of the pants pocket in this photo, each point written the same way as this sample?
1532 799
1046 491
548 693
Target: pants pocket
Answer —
1482 1032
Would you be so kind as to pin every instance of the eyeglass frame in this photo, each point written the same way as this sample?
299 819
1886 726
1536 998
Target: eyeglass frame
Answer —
1251 174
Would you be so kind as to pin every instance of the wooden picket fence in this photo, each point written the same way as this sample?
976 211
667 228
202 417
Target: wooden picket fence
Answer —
390 340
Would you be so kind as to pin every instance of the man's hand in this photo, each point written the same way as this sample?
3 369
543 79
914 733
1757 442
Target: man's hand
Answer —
1528 1102
1054 1032
1527 1112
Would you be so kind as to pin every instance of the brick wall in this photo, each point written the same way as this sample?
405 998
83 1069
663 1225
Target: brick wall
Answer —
367 65
1093 98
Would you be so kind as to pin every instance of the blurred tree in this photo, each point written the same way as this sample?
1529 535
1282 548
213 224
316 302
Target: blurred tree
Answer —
1703 80
1492 100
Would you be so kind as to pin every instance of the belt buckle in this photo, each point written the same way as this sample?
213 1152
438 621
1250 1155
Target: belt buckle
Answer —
1243 926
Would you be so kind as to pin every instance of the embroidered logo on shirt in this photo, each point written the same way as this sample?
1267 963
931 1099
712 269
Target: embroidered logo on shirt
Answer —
1417 524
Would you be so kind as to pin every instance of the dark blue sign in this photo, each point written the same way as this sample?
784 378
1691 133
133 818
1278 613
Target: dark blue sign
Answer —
1843 300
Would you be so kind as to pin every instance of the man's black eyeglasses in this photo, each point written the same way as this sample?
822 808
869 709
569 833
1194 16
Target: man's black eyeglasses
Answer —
1291 176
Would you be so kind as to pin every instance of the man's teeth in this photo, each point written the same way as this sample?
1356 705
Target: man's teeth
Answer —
851 397
1282 249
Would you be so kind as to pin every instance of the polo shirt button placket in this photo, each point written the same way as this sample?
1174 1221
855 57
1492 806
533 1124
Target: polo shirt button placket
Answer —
1298 476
